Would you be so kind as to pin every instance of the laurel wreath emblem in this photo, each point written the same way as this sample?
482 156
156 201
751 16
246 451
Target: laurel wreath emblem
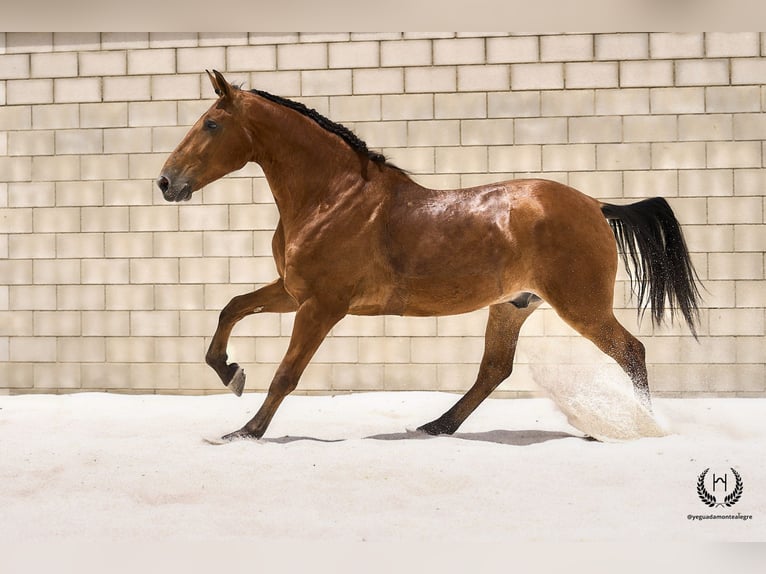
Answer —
706 498
710 500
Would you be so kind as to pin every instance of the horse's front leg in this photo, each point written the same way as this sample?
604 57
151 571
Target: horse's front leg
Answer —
269 299
312 323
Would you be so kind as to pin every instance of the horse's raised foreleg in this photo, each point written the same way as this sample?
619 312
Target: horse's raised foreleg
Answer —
312 323
269 299
501 337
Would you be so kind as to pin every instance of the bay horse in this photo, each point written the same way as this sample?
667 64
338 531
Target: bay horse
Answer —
356 235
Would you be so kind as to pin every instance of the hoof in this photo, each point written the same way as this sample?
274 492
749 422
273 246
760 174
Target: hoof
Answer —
241 434
237 383
436 428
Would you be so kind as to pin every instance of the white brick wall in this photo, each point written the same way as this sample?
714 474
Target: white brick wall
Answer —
103 285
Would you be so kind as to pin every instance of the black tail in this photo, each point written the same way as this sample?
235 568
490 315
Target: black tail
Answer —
649 237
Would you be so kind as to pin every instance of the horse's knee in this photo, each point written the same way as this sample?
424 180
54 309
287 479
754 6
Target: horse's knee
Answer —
229 314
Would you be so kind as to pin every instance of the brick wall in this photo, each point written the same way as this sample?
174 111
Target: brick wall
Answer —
103 285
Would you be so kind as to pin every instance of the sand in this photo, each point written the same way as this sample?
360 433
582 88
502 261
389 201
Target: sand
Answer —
136 469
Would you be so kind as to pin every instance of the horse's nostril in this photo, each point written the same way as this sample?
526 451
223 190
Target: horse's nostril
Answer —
163 183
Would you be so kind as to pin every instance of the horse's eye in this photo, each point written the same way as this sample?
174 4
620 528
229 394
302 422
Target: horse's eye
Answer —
210 124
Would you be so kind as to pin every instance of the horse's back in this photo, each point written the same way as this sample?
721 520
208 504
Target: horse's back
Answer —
550 199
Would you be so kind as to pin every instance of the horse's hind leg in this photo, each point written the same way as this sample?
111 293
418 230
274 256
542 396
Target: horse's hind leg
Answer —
269 299
615 340
598 324
502 334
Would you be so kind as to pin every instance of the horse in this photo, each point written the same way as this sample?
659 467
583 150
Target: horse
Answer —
357 235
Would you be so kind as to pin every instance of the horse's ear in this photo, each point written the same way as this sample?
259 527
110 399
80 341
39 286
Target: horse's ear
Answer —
220 85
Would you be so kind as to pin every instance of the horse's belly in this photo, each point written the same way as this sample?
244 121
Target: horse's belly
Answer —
426 297
445 277
453 274
452 297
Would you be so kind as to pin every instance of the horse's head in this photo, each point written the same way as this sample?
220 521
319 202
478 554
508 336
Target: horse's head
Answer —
216 145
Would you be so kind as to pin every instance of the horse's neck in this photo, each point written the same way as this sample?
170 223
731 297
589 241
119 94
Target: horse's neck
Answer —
304 164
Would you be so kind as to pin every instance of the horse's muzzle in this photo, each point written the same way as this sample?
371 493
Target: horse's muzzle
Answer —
174 192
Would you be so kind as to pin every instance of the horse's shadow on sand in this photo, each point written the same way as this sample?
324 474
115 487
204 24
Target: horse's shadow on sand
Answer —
506 437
